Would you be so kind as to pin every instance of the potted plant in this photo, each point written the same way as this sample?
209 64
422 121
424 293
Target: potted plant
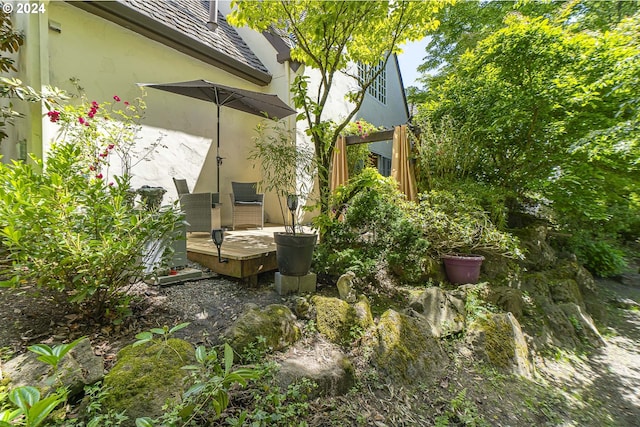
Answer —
460 232
287 171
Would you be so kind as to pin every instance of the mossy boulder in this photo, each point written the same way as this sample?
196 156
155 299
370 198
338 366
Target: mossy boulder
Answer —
146 377
442 311
404 349
498 340
570 269
507 299
540 255
275 323
335 318
362 309
565 291
572 327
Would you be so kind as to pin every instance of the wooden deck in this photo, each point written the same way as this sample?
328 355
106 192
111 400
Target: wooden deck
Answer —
249 252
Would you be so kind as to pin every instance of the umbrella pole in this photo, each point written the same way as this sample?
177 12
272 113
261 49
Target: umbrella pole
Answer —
218 158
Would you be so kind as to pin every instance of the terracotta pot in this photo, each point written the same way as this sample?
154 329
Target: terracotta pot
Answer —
462 269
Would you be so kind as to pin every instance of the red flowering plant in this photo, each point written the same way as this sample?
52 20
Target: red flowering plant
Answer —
110 129
71 228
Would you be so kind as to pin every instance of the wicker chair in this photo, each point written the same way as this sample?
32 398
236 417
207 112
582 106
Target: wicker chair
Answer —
247 205
202 210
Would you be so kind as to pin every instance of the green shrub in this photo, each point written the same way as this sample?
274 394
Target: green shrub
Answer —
455 224
73 230
600 256
372 225
367 224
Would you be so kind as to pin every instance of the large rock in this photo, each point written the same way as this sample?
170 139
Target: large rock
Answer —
507 299
324 364
570 269
275 323
146 377
439 310
406 350
539 254
79 367
336 319
565 291
572 327
362 310
498 339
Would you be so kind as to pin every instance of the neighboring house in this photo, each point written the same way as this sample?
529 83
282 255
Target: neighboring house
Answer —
112 45
385 105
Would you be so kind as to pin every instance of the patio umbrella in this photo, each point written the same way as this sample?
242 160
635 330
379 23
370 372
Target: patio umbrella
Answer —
256 103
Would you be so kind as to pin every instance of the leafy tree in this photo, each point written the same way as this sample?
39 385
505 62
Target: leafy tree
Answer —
10 41
551 111
330 37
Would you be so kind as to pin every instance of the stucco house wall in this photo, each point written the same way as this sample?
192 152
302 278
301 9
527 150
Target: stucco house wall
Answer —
109 60
109 57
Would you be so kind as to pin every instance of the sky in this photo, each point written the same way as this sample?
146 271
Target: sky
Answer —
409 61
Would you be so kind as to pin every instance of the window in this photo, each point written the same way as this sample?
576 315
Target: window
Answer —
378 87
384 166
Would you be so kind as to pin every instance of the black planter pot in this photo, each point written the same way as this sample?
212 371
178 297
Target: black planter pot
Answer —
294 253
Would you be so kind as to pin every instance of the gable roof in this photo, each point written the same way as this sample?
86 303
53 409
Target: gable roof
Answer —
181 25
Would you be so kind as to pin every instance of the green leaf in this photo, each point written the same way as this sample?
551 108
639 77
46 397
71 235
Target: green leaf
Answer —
41 410
178 327
143 337
144 422
194 389
201 354
8 415
41 349
228 358
24 397
12 282
157 331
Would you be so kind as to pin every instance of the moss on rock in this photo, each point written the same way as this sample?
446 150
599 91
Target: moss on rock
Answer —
405 350
362 308
334 318
498 339
146 376
275 323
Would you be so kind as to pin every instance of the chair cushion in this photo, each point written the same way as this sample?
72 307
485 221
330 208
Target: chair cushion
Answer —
238 202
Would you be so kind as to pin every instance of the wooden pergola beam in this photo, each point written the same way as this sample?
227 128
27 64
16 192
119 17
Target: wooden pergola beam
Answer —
383 135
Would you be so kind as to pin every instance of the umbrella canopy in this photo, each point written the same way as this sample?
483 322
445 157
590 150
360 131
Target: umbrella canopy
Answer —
256 103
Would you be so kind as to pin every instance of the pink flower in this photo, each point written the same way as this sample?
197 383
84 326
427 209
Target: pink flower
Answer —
54 116
95 105
91 114
116 98
92 168
110 146
126 103
111 184
99 176
81 120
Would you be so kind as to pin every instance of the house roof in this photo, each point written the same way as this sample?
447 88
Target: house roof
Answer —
181 25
